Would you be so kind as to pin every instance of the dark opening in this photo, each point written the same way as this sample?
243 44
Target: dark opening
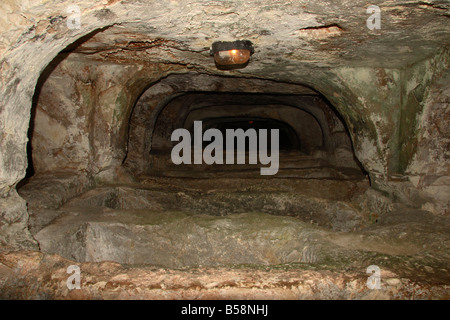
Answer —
288 140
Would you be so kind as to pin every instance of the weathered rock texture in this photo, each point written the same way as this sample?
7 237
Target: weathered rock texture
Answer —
47 277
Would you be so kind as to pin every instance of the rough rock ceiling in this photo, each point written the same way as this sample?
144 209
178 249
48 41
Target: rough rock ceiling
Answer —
287 34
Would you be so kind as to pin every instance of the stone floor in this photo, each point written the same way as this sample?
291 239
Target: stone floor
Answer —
230 238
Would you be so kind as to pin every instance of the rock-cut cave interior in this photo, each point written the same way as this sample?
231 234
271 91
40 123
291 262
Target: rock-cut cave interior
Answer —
87 175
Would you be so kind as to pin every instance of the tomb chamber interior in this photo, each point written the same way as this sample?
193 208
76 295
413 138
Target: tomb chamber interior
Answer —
126 146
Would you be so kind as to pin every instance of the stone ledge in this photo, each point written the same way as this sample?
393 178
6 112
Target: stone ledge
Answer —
34 275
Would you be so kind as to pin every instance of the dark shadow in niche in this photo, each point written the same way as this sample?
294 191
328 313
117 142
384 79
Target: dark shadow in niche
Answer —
288 139
341 118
